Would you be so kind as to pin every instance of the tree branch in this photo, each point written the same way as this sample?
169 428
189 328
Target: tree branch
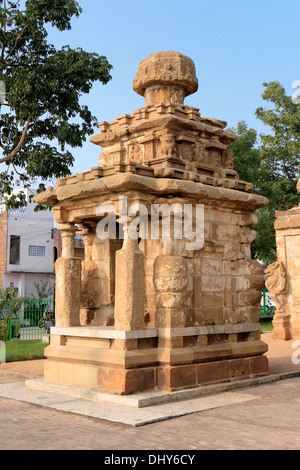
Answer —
16 42
20 35
18 147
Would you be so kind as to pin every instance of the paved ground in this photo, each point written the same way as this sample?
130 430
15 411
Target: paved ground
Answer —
271 420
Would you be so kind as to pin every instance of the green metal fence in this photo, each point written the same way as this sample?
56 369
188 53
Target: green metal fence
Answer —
267 308
33 319
30 322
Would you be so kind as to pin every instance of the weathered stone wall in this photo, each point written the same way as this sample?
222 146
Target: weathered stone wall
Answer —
284 276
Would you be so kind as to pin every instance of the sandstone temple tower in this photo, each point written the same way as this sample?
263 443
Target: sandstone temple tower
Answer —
157 312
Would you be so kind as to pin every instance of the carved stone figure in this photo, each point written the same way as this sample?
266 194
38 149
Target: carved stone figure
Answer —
228 160
167 147
198 152
276 285
135 153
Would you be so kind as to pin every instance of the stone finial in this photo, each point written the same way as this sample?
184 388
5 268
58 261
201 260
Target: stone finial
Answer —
165 77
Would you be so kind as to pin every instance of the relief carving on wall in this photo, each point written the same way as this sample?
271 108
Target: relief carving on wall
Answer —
276 285
227 159
135 154
167 146
199 152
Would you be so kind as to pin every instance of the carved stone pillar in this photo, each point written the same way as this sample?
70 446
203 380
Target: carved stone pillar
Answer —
173 285
130 288
89 274
68 239
68 281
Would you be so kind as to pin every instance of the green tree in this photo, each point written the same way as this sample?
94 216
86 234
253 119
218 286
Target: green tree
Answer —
248 164
44 289
280 158
271 163
10 304
246 154
42 113
280 150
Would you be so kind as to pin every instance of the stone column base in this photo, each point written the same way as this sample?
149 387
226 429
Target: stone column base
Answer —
281 332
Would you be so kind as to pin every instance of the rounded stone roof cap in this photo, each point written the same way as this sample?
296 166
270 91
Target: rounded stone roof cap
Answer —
166 68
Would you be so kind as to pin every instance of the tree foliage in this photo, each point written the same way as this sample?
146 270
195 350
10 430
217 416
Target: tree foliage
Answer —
280 150
246 156
43 113
271 163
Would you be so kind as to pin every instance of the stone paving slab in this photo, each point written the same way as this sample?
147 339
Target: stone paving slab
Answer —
117 412
121 408
155 397
271 421
266 417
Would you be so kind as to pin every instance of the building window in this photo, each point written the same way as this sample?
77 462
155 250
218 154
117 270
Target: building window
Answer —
21 211
37 250
55 256
14 254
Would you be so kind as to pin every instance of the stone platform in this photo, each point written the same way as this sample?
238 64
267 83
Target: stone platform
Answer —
124 362
146 407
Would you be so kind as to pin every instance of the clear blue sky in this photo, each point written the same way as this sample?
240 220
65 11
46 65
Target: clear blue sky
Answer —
236 46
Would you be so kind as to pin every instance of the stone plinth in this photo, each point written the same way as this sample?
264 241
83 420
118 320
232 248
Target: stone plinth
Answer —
124 362
178 305
107 360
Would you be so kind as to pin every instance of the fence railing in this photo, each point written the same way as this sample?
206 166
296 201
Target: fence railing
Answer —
30 322
35 316
267 307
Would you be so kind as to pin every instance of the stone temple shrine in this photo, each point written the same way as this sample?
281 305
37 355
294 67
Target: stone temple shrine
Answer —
167 296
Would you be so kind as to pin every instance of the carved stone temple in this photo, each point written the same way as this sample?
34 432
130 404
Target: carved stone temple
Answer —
283 280
148 309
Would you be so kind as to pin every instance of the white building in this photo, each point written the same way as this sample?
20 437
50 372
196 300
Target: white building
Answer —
29 247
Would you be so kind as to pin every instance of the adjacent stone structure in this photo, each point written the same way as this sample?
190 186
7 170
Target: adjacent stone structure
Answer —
284 275
153 311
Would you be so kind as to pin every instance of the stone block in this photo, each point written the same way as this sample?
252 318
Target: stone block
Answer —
178 283
174 317
212 372
176 377
170 343
259 365
239 368
125 382
209 315
212 267
173 299
73 374
212 283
